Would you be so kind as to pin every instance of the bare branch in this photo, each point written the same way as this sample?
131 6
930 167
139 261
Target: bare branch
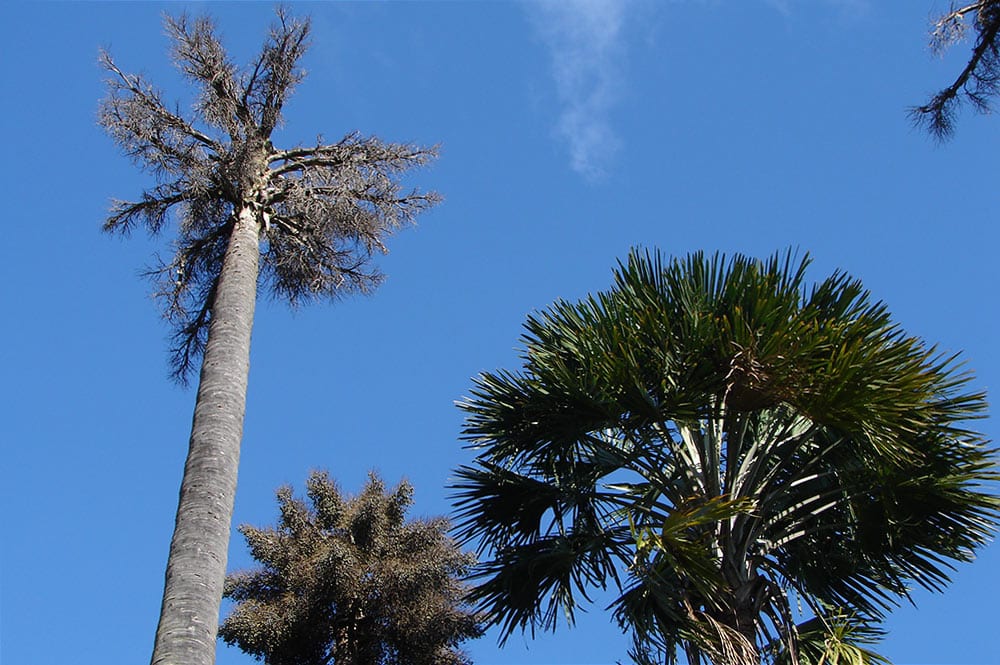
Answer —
152 210
188 342
185 289
287 43
355 150
978 81
324 211
951 27
201 57
249 83
149 100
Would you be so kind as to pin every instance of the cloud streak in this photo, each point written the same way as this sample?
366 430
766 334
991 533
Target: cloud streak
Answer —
584 39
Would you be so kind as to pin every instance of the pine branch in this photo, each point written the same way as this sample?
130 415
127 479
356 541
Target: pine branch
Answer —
151 101
982 71
152 210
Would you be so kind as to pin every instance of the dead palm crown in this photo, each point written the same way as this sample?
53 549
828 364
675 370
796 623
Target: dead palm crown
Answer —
756 471
303 223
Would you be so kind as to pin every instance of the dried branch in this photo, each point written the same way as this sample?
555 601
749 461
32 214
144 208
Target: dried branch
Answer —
152 211
200 57
190 339
287 43
324 211
354 150
978 81
149 108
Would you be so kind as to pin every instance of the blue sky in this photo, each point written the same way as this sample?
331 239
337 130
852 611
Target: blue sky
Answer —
569 132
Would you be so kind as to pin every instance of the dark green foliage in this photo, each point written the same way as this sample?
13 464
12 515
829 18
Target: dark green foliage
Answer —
349 581
716 442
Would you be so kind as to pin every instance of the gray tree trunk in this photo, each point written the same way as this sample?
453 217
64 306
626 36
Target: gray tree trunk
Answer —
196 568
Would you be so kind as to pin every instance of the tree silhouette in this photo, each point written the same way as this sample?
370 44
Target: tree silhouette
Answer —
717 443
347 580
979 80
303 223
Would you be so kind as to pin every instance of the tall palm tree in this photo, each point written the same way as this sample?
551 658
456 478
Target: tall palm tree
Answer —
721 446
302 222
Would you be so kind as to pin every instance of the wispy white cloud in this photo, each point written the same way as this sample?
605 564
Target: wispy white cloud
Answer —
585 42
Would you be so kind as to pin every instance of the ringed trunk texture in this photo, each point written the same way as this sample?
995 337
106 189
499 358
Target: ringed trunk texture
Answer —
196 568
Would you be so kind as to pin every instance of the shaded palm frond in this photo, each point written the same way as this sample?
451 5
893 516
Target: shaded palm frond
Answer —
832 638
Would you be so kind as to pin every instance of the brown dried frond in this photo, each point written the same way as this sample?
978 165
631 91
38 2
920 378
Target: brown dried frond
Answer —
721 644
748 381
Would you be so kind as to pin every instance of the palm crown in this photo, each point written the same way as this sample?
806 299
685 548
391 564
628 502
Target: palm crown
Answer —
711 440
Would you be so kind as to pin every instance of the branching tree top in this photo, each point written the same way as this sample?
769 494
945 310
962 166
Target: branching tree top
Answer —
324 209
350 581
979 80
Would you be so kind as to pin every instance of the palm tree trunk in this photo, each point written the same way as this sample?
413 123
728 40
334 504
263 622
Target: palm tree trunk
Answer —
196 568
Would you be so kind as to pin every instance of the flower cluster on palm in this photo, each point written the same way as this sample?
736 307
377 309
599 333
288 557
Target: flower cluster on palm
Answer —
727 451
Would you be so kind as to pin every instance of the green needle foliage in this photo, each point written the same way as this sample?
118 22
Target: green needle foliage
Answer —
729 453
349 581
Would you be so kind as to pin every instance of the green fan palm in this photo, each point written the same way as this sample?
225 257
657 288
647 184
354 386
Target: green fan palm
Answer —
732 454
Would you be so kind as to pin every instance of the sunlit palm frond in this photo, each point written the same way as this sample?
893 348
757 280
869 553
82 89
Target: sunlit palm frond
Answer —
832 638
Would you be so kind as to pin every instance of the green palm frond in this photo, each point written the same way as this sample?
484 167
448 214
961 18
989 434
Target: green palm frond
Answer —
833 638
710 436
685 540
